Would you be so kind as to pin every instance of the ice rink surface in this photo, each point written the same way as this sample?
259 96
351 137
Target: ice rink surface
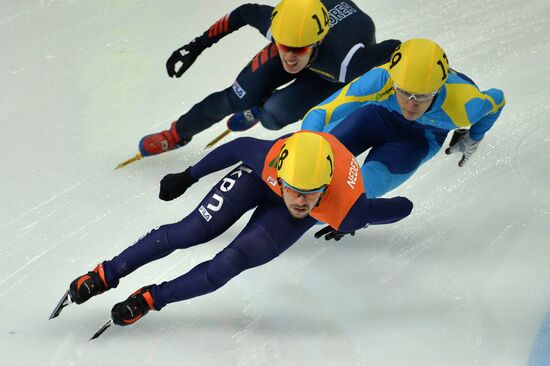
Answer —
463 281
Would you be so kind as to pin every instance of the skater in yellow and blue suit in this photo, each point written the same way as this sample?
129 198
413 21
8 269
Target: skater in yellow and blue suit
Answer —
403 110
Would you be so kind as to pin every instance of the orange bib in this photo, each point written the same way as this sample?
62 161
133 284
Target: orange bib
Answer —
344 190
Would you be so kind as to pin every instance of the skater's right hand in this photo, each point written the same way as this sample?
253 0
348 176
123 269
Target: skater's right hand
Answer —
330 233
185 55
174 185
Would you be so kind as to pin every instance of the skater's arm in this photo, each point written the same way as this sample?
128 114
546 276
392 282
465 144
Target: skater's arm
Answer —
488 109
247 150
367 57
257 16
370 87
376 211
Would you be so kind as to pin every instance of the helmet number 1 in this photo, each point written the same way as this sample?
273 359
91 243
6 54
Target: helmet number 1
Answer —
326 21
330 164
440 63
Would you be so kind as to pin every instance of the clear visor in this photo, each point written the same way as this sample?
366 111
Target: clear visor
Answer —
415 97
317 190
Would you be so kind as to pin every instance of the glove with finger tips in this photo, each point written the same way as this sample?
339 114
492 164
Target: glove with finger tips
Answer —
186 55
390 45
330 233
462 142
174 185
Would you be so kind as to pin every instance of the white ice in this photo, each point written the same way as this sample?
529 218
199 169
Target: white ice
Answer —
463 281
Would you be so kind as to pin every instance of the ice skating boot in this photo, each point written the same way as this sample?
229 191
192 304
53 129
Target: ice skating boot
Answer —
88 285
160 142
133 308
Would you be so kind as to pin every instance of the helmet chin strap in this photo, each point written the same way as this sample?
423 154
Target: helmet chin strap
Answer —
323 194
314 53
433 101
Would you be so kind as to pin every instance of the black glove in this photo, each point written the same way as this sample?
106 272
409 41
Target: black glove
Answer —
186 55
174 185
331 233
389 45
379 53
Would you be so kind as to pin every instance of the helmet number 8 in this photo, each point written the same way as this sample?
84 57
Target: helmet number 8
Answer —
282 157
325 20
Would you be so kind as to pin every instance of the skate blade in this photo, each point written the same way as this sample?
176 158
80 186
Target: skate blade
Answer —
102 329
64 301
131 160
217 139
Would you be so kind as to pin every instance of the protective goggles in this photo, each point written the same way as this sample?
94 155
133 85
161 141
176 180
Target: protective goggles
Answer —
317 190
298 51
415 97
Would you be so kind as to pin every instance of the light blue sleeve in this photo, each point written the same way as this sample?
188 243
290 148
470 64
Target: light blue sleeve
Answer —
484 112
367 88
314 120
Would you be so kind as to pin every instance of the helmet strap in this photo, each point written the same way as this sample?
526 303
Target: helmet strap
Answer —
321 197
433 101
314 53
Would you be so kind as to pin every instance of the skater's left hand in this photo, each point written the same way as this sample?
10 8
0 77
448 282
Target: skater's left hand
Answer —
462 142
174 185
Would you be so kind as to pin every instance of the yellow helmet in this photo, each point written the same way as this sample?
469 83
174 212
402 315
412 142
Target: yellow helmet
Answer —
299 23
306 161
419 66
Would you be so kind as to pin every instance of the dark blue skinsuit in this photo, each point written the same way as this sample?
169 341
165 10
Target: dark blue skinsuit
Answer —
270 231
348 50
